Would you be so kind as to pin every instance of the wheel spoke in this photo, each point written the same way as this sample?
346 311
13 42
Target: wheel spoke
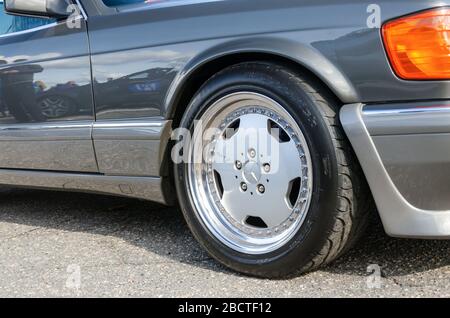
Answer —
279 210
236 202
271 207
288 163
253 121
227 176
252 132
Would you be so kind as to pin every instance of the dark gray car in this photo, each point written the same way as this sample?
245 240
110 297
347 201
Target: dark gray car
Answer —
274 125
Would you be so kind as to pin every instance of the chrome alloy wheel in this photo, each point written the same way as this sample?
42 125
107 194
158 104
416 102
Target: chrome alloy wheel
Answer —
252 194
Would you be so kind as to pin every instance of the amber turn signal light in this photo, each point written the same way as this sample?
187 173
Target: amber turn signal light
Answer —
418 46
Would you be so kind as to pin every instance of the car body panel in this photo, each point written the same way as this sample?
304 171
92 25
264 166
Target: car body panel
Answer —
131 148
312 33
412 140
341 52
403 208
36 66
46 147
148 188
128 67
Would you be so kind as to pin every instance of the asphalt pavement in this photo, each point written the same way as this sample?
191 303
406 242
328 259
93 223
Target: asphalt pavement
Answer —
58 244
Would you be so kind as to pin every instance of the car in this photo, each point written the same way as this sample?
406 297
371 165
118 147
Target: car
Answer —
279 128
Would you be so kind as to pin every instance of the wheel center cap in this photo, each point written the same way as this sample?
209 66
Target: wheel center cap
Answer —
252 172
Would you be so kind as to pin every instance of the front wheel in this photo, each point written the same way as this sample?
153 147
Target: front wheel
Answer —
268 184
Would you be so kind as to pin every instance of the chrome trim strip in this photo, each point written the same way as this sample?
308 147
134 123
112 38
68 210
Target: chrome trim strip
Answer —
83 12
131 123
404 111
129 130
127 124
147 188
42 27
402 119
40 126
64 131
156 125
163 4
399 217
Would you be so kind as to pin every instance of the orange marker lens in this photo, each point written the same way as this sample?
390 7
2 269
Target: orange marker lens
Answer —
418 45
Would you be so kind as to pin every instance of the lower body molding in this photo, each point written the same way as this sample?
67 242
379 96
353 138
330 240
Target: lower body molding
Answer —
401 217
147 188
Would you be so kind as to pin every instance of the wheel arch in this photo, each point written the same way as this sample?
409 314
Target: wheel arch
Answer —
294 55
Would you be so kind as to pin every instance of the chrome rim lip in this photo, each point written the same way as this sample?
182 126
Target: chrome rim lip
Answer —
209 213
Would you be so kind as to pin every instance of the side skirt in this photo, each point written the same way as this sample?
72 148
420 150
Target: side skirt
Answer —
147 188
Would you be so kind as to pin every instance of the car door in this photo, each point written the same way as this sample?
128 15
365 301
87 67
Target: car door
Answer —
46 101
130 133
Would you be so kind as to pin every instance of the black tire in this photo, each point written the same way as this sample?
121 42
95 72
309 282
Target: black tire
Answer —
340 198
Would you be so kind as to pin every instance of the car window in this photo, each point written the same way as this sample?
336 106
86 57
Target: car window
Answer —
117 3
13 23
